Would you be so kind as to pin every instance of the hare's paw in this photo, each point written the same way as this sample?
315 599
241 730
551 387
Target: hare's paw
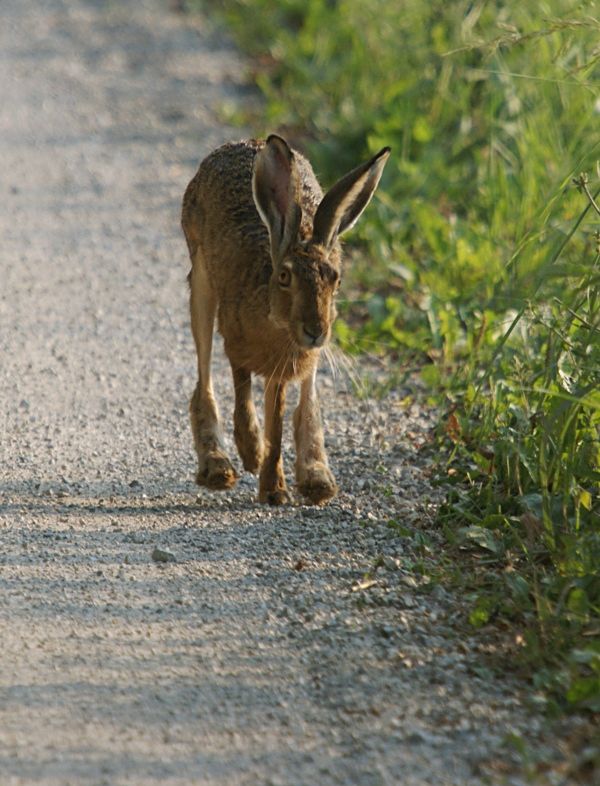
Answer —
278 496
251 449
216 472
272 488
316 482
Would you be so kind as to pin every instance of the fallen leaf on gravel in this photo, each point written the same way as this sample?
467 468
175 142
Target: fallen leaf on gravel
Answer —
363 585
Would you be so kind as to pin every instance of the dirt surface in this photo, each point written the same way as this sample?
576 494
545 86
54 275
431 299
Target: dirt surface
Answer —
152 633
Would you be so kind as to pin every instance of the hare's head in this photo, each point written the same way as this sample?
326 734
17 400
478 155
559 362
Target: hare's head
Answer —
307 265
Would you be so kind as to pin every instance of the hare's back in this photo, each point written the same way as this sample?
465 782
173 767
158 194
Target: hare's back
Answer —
219 201
219 197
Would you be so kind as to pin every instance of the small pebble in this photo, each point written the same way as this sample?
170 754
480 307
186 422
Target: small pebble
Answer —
158 555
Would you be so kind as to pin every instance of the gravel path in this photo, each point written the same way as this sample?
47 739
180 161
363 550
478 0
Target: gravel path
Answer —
260 654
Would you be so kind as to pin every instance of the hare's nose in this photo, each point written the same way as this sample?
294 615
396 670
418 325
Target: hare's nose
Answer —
314 337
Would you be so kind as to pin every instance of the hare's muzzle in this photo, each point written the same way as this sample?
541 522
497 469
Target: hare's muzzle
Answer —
313 337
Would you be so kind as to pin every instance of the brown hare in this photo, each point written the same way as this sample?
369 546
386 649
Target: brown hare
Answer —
266 260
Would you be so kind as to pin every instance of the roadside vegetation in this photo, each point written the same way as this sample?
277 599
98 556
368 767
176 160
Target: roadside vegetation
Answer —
479 264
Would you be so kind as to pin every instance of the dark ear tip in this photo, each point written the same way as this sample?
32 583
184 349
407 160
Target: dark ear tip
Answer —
279 141
385 151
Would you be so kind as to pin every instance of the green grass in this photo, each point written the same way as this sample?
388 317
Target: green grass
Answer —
479 260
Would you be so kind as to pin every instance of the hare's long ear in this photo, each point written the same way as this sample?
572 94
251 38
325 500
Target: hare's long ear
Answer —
276 192
345 201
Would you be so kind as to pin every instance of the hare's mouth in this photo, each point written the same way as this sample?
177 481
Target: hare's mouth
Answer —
311 337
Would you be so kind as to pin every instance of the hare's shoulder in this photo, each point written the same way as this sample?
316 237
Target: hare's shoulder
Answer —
220 195
224 178
229 168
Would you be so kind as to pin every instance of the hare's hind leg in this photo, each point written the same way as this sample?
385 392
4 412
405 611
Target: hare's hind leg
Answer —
245 423
214 467
313 476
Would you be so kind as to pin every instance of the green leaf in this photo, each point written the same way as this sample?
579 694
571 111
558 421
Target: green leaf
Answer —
578 602
518 586
584 498
585 690
422 131
482 537
589 657
479 617
481 614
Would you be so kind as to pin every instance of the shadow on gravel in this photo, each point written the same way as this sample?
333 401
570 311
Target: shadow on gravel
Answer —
247 630
140 497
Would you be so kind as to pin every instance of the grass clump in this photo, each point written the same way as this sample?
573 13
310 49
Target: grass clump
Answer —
480 261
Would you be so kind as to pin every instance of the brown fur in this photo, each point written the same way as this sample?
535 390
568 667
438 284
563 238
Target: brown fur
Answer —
248 218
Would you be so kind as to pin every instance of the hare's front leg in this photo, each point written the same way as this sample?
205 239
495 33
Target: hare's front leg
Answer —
214 467
313 476
246 429
272 488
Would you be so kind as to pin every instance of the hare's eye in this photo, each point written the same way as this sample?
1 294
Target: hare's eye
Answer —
285 277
